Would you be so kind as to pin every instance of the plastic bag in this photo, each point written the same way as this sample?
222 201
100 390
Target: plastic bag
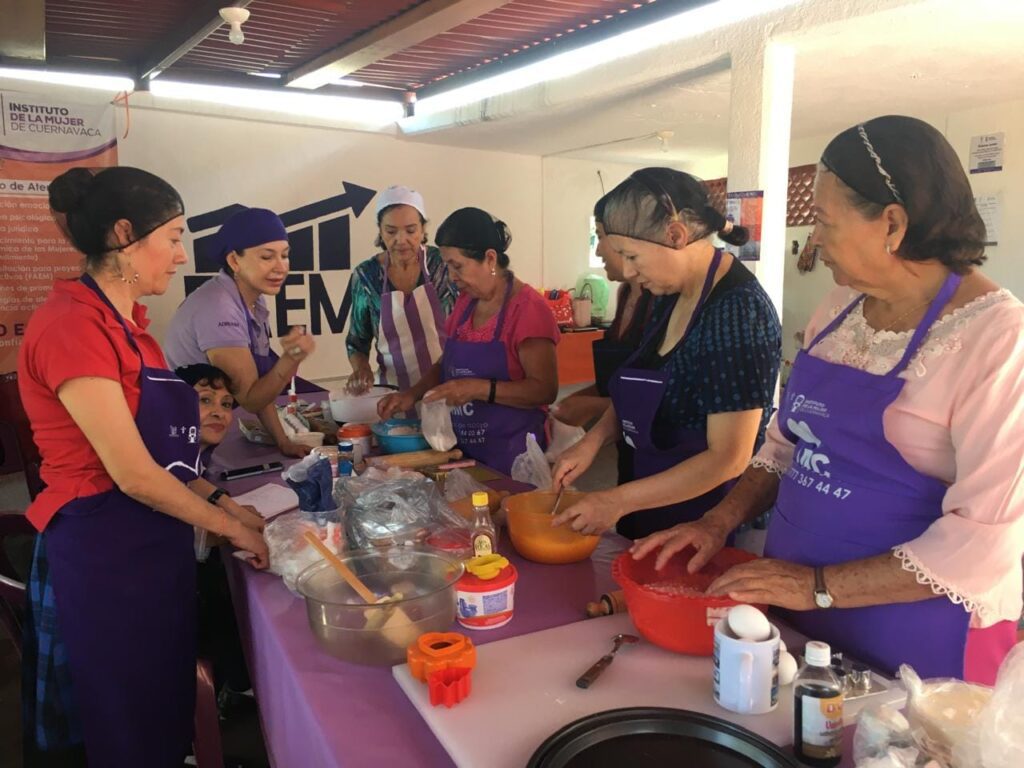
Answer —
943 716
312 482
398 512
531 466
290 553
563 437
458 484
1001 723
436 425
883 740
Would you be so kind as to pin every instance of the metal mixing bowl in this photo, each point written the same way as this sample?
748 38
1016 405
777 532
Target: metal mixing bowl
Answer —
349 629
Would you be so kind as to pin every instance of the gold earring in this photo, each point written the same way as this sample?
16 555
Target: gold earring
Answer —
127 281
494 271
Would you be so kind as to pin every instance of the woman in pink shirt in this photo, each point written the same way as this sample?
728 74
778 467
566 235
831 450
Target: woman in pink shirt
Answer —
498 370
893 467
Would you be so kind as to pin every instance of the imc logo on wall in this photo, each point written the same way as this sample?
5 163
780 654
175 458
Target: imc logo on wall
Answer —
321 250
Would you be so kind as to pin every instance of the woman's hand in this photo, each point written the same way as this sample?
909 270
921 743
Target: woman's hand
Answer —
293 450
296 345
399 402
573 462
459 391
707 536
594 514
245 514
767 581
359 381
250 541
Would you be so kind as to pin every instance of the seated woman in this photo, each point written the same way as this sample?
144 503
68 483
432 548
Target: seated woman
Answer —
694 398
224 321
894 463
498 371
219 639
400 298
112 588
632 311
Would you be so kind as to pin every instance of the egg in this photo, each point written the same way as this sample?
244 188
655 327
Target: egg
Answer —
787 668
748 623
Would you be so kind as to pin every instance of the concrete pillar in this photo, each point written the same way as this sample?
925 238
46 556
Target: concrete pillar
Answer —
760 115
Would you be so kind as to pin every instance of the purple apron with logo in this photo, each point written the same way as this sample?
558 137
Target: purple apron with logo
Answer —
124 579
636 394
849 495
492 434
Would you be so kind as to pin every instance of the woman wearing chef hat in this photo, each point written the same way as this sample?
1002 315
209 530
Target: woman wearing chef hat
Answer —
400 298
224 321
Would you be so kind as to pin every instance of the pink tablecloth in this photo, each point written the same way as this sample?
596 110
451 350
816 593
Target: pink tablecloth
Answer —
317 711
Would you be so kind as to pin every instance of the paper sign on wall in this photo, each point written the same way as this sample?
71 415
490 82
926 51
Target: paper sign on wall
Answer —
746 209
991 209
986 153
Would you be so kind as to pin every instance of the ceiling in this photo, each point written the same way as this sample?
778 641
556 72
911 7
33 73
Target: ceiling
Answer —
393 45
928 59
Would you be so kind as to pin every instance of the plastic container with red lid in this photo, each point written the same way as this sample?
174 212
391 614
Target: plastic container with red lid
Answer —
486 603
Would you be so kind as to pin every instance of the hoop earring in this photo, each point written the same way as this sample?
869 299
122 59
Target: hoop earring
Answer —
126 280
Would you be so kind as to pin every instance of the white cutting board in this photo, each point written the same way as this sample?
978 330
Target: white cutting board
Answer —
524 689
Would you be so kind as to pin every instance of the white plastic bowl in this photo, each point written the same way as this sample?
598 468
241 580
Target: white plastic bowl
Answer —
361 409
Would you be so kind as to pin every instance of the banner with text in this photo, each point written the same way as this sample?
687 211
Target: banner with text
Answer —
40 138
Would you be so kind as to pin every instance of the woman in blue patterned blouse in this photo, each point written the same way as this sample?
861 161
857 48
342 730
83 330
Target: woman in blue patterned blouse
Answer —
400 298
694 399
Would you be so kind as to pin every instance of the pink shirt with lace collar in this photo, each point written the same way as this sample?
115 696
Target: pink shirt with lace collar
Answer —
960 418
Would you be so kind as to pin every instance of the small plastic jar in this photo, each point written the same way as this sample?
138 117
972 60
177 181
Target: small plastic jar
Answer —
361 438
486 593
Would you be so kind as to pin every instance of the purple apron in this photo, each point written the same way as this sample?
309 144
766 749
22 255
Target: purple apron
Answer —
492 434
124 578
849 494
636 394
410 336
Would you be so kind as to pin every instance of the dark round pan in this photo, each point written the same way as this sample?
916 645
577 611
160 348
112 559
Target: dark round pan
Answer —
639 737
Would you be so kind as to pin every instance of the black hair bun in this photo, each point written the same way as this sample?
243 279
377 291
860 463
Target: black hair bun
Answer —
69 190
504 235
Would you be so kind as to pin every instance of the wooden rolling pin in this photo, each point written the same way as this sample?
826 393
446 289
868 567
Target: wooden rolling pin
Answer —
413 459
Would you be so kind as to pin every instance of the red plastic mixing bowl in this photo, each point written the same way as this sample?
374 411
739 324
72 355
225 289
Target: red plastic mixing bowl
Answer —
668 607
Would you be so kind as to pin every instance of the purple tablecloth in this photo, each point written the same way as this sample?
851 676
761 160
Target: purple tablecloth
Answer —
319 711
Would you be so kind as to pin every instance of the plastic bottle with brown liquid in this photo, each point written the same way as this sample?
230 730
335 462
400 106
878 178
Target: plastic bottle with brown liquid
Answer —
484 536
818 710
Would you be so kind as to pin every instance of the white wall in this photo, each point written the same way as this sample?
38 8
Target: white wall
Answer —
571 187
214 161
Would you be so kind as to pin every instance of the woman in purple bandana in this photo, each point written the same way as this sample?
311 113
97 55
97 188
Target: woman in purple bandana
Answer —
110 635
894 463
498 370
224 322
694 397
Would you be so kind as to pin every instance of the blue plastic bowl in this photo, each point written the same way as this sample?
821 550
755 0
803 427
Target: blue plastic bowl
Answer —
398 443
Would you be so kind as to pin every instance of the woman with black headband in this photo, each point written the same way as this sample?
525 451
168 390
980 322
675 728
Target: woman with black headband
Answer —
894 463
694 398
110 635
498 369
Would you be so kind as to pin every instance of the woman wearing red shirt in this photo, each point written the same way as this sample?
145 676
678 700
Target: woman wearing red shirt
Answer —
112 588
498 370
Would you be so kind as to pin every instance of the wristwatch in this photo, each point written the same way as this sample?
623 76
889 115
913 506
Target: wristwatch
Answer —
822 597
215 496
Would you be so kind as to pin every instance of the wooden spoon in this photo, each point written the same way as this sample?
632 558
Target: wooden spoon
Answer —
343 570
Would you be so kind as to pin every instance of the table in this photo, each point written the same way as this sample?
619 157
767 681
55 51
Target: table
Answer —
317 711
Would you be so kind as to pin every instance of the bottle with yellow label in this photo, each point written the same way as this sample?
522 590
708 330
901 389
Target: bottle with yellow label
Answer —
484 535
818 709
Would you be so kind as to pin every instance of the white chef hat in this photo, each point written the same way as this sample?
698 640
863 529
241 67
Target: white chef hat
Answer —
398 195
